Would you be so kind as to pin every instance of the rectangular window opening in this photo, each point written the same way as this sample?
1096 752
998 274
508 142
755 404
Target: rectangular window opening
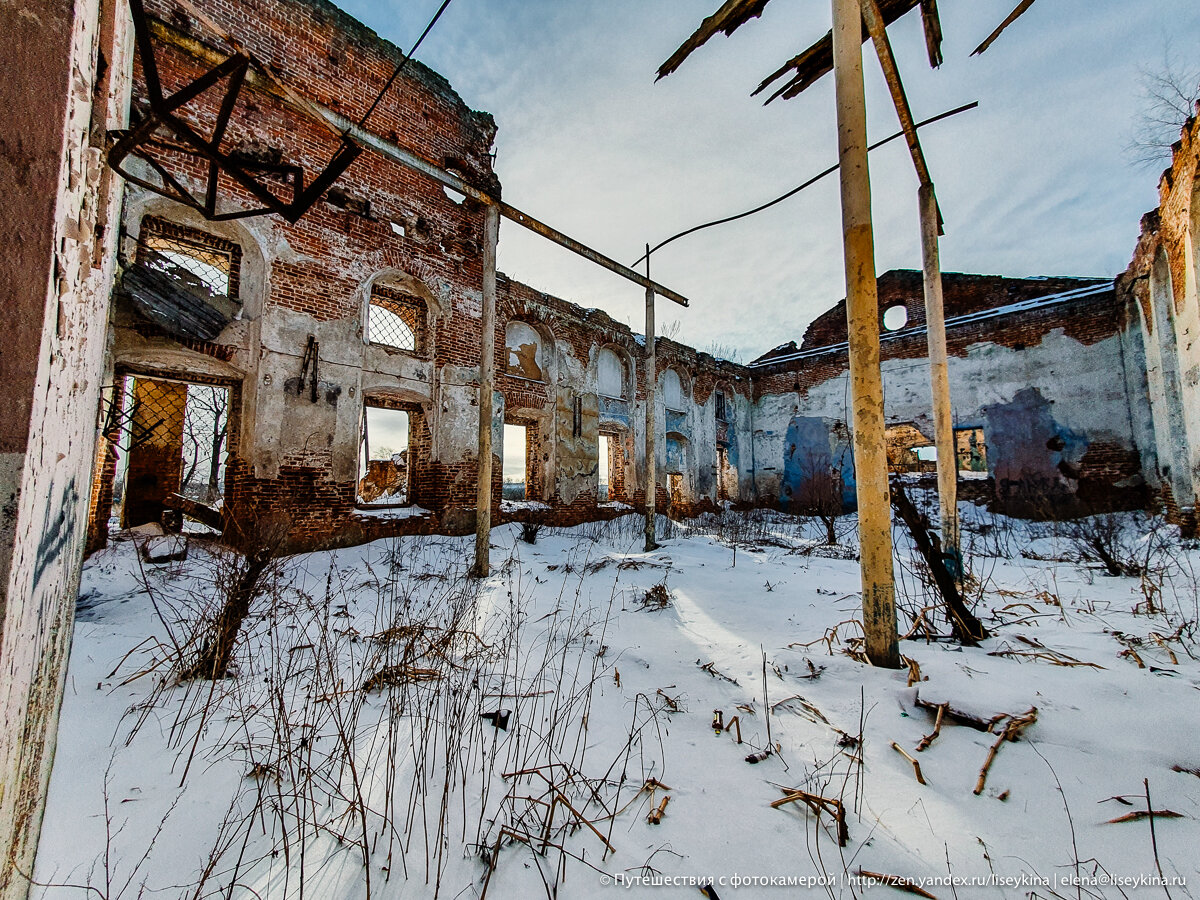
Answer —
383 470
515 463
194 257
971 451
604 467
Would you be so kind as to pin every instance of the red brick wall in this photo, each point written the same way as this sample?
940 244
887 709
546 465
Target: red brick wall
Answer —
1088 320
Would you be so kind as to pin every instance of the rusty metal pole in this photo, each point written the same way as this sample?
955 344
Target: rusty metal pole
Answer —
651 394
487 379
862 319
939 380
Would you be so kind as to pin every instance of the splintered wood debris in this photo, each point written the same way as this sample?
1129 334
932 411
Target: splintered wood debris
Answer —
731 16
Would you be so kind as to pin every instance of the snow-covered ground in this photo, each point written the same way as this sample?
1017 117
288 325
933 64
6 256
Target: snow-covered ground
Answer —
350 755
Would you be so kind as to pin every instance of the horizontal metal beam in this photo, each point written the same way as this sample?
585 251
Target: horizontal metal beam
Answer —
410 160
407 158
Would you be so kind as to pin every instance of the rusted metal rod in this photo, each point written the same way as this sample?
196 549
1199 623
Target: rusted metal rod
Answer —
862 315
887 61
410 160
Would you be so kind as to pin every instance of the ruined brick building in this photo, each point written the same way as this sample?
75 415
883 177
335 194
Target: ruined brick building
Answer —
325 372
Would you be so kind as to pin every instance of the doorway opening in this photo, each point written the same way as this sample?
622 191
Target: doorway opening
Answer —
383 460
173 437
604 467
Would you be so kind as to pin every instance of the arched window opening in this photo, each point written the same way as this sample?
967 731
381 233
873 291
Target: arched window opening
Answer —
526 357
396 319
611 374
672 389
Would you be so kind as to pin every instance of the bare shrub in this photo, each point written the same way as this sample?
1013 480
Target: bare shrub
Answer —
241 578
819 494
1133 544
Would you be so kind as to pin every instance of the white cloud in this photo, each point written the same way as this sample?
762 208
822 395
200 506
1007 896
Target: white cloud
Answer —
1033 182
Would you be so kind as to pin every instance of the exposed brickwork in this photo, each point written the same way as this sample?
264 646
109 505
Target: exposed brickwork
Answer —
1172 233
319 275
1087 320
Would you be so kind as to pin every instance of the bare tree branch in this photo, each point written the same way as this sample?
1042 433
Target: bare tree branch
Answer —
1169 93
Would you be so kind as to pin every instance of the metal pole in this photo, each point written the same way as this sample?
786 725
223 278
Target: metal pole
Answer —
487 378
651 394
862 319
939 380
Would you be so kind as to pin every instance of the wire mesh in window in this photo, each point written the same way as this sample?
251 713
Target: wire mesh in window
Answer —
199 260
395 320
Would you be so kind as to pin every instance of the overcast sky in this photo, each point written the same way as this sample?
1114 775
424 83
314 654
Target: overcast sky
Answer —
1034 182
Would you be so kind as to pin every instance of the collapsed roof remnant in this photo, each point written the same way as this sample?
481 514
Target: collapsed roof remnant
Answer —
731 16
817 61
162 293
1012 17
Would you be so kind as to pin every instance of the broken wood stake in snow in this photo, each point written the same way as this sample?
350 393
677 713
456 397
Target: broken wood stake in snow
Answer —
1012 730
916 765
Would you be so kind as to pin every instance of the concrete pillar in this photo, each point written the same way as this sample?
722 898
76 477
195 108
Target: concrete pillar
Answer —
862 314
939 379
487 386
651 393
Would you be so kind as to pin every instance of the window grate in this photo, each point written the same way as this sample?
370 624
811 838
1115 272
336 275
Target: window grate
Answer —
196 258
396 320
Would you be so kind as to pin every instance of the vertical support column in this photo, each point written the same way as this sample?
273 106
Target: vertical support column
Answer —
651 394
487 381
862 315
939 380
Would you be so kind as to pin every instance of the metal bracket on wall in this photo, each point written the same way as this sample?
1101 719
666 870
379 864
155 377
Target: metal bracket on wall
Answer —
312 353
164 140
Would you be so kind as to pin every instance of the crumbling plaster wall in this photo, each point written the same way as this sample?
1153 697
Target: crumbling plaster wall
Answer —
1162 290
575 338
64 86
1054 389
297 457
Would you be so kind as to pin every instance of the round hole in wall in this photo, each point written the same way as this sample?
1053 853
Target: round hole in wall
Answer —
895 317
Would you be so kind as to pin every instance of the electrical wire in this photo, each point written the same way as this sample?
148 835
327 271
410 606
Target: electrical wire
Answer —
400 66
809 183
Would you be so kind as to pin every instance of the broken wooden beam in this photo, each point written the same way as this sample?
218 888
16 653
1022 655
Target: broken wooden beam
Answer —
1012 731
967 628
203 514
731 16
915 764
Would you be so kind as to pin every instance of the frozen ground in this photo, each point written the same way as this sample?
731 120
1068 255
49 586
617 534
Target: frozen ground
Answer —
349 757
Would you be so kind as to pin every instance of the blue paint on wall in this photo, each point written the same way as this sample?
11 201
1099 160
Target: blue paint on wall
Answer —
676 453
613 410
811 446
676 421
1034 459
